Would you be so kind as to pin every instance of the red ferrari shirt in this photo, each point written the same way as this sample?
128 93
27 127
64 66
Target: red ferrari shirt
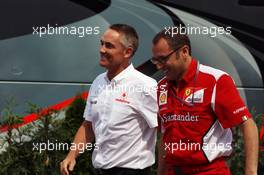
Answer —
196 114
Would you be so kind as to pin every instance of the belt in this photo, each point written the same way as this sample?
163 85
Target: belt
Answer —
116 170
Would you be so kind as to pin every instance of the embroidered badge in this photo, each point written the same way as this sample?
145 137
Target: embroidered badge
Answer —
123 98
244 118
197 96
187 92
163 98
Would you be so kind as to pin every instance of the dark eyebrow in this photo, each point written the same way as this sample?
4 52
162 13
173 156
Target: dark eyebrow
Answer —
107 44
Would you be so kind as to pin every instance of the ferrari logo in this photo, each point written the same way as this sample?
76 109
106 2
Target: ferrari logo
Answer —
187 92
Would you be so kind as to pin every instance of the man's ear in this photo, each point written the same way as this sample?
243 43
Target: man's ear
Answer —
185 50
128 52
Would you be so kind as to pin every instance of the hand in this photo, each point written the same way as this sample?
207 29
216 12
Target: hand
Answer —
67 165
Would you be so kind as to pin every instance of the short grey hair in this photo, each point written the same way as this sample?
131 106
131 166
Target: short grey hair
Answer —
129 35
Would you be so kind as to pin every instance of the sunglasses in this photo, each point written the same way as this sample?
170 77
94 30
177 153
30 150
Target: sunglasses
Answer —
163 59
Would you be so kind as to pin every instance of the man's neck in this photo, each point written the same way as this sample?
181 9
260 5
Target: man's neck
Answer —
187 65
114 72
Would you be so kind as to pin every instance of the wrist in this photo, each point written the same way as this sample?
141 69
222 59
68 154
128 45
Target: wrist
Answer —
251 172
72 154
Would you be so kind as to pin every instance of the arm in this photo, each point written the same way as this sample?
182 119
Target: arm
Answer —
250 134
84 135
162 167
231 111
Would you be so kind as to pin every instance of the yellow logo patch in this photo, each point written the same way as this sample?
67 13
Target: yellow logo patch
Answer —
187 92
163 98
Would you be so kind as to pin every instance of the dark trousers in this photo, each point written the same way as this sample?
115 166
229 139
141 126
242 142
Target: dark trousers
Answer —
216 167
122 171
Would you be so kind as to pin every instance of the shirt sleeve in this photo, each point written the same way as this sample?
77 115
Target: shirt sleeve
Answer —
149 107
87 115
229 106
161 128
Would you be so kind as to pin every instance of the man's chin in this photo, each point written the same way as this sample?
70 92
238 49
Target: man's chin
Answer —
168 77
103 63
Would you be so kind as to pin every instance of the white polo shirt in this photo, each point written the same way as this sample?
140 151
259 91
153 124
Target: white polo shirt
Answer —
123 113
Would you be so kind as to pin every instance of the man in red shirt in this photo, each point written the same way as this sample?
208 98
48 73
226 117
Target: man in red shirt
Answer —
198 105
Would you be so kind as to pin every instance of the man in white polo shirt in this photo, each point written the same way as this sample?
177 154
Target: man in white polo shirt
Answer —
121 111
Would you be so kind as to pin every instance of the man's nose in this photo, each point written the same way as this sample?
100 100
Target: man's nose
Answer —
102 49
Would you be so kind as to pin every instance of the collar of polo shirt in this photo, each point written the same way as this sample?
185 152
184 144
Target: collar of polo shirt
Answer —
118 78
